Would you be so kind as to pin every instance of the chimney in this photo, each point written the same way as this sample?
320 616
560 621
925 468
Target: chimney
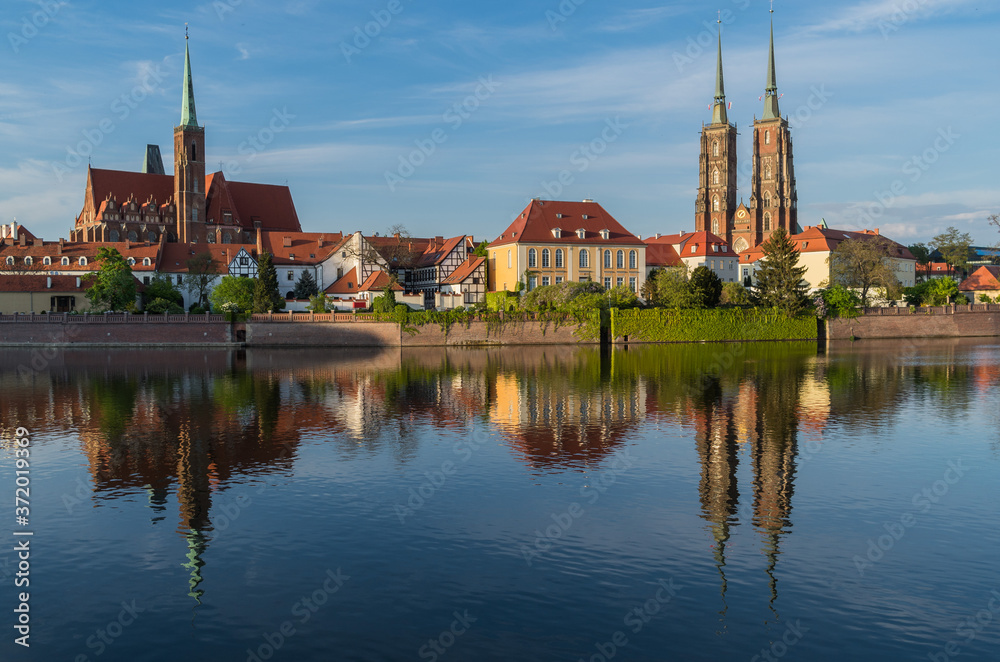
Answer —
286 242
396 235
321 241
59 250
438 242
48 282
260 241
657 235
128 244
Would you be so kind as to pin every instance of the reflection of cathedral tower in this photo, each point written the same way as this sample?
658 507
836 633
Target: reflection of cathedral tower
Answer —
716 200
194 494
773 200
715 440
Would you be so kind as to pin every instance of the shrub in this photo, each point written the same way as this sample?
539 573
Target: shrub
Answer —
840 301
163 306
706 287
734 294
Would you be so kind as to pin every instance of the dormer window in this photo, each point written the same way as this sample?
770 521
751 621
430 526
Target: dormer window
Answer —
146 262
715 248
694 247
10 261
83 261
581 233
560 215
557 233
605 233
28 261
65 261
587 216
131 261
46 261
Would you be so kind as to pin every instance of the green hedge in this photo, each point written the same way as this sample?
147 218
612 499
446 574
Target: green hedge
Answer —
719 324
496 301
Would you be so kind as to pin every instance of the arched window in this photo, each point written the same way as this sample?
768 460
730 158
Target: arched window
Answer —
559 258
715 148
65 262
715 177
113 236
546 258
620 260
633 260
767 171
532 258
227 238
715 203
133 235
83 262
715 226
767 198
193 154
10 261
767 222
131 261
607 259
584 258
28 261
767 137
46 261
508 260
151 237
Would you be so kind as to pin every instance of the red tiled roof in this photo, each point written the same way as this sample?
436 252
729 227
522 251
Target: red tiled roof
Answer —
702 243
661 255
176 256
817 240
347 284
984 278
122 185
74 251
465 270
377 282
39 283
536 223
302 247
272 205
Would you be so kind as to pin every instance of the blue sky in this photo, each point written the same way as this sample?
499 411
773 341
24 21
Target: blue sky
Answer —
454 114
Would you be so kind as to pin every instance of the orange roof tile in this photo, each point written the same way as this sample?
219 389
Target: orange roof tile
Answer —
347 284
378 281
984 278
538 220
464 270
661 255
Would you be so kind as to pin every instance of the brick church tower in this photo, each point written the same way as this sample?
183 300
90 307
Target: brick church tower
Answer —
189 164
773 200
716 202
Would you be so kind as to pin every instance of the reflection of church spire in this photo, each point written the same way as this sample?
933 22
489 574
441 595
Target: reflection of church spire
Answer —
715 439
194 495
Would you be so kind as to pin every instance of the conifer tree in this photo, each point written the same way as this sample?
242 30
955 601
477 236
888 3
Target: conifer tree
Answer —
265 291
305 286
779 278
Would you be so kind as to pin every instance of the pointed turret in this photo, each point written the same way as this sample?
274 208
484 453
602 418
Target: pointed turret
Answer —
188 115
719 115
771 91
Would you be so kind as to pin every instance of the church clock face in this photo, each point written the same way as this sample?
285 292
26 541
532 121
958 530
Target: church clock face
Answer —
741 214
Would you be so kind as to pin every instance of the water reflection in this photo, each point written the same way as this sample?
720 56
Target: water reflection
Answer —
184 424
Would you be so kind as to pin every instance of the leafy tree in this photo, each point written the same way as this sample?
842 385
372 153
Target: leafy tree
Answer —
561 296
840 301
734 294
202 270
706 287
317 303
779 278
481 249
954 247
385 302
161 287
265 292
621 296
305 286
941 291
863 264
921 252
670 289
916 295
112 287
234 290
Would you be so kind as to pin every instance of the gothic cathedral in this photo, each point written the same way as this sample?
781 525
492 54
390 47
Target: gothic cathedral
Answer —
773 201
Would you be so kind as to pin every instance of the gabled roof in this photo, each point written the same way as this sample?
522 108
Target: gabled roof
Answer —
271 205
39 250
538 220
702 242
347 284
300 247
984 278
465 270
175 256
377 282
661 255
121 185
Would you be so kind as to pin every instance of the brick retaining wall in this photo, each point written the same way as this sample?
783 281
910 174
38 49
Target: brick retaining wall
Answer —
933 322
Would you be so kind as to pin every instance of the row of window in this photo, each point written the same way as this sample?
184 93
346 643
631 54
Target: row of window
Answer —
65 261
633 259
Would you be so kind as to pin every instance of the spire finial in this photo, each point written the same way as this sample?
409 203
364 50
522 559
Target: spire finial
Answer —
771 91
188 115
719 115
186 30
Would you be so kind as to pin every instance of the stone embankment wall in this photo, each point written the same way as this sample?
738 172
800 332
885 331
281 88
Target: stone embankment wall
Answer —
982 320
114 330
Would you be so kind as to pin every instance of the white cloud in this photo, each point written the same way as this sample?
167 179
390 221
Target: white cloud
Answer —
885 15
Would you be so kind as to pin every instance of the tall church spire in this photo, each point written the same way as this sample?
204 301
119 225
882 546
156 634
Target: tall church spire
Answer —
771 91
719 115
188 115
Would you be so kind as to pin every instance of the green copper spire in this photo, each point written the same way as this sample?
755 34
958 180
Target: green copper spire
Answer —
719 108
771 91
188 115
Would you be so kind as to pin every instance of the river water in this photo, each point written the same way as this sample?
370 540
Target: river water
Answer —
687 502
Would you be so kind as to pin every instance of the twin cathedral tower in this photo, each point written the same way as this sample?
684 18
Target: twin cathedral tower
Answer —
773 201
